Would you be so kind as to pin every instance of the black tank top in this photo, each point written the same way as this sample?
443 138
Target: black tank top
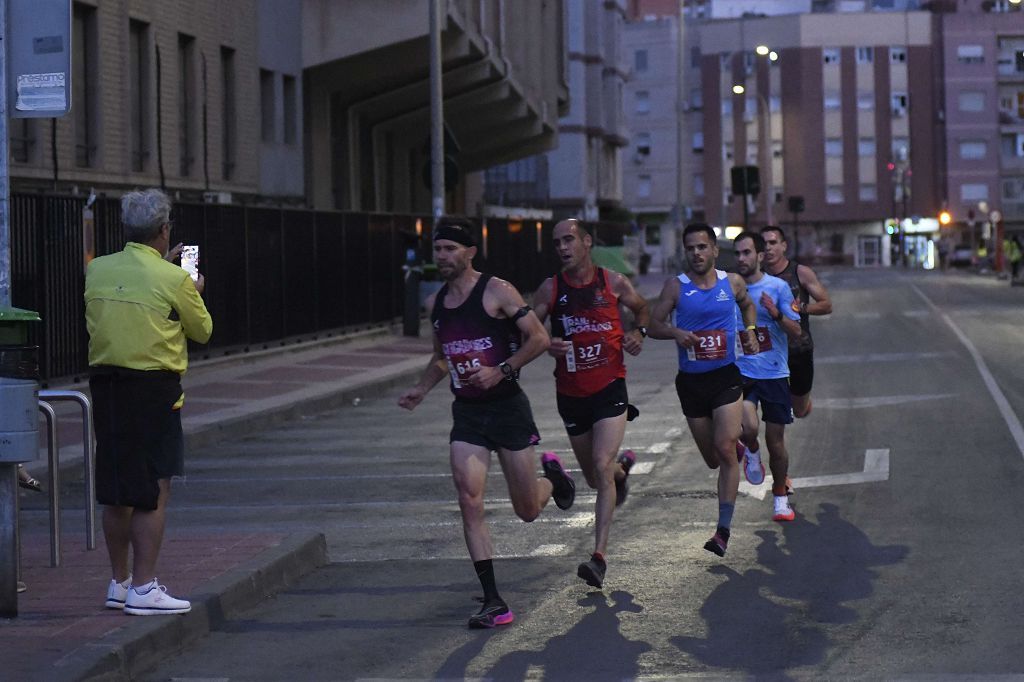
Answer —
790 277
469 337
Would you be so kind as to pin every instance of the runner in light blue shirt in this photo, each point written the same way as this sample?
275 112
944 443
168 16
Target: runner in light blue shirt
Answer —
766 372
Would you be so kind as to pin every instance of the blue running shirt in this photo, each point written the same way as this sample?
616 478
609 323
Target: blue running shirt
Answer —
772 361
711 315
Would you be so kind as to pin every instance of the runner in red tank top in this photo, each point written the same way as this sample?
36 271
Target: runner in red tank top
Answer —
590 377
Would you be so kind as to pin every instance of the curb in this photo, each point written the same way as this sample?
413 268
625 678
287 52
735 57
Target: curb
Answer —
130 651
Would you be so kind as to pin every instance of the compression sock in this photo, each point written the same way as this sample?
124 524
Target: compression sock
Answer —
485 572
725 510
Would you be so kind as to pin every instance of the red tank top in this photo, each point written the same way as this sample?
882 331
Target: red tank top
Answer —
588 317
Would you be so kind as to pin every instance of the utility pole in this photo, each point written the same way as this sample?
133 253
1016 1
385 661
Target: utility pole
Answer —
437 15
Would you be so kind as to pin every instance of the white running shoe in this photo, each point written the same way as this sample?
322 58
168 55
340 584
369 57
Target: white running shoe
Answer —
783 512
754 469
117 592
152 599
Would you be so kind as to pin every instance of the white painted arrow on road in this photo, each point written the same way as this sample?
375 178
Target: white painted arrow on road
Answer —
876 468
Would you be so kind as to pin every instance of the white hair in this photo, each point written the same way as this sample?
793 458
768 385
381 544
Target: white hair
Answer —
143 213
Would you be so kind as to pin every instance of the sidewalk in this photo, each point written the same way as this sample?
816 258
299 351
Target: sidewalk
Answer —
63 632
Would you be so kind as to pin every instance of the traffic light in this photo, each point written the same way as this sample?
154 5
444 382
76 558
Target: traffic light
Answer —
945 218
892 226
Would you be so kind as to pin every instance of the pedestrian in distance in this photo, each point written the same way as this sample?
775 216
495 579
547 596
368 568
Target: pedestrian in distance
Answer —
484 333
809 298
766 373
140 309
590 373
709 385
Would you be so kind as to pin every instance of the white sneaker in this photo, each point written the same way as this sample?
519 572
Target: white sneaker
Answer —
783 512
152 599
754 469
117 592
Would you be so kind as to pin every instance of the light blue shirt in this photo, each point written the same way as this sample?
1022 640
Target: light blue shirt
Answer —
771 362
710 314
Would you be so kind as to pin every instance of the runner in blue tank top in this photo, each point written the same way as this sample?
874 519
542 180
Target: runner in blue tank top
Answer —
766 374
484 333
708 383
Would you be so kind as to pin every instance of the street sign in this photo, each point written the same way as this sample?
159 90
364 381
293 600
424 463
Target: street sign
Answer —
38 58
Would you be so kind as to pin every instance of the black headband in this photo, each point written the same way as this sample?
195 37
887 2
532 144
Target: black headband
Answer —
455 233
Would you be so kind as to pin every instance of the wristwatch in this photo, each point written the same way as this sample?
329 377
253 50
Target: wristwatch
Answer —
507 370
643 331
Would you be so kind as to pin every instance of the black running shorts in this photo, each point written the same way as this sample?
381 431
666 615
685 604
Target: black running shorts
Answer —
506 423
580 414
700 394
138 434
801 371
774 397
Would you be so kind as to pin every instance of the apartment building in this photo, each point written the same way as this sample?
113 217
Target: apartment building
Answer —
983 60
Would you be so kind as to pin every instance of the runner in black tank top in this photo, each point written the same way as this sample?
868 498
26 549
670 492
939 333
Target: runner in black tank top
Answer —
484 334
809 298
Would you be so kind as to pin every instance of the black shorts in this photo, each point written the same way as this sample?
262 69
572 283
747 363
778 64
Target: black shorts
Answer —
774 397
580 414
138 434
505 423
700 394
801 371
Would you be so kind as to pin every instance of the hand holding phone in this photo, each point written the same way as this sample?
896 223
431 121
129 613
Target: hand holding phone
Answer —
190 260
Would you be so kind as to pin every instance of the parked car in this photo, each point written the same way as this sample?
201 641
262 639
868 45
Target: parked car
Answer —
962 256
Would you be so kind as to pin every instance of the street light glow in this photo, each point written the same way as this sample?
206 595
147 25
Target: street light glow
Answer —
762 50
773 55
738 89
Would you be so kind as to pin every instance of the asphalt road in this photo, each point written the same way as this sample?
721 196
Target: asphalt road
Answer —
904 561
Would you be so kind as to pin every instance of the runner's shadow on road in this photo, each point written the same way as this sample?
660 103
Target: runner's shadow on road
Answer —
771 619
594 648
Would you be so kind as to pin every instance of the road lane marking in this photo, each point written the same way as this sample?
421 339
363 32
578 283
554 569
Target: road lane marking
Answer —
1012 422
876 469
876 401
881 357
659 448
674 432
549 550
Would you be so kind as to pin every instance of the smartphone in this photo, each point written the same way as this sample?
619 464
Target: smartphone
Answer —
190 260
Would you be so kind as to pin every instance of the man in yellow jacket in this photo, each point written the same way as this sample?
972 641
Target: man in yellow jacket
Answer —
140 309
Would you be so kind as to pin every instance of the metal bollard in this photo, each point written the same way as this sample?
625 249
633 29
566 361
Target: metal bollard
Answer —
88 456
53 457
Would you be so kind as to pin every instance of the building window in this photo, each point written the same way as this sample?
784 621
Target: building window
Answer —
753 149
900 148
865 101
1012 145
288 101
777 149
23 139
698 143
830 55
643 144
698 184
187 101
1013 190
897 55
139 92
695 57
973 149
727 151
974 192
84 70
865 55
229 142
268 106
643 102
640 61
899 102
643 186
970 54
832 101
774 103
866 146
971 101
834 194
833 147
726 106
696 98
868 192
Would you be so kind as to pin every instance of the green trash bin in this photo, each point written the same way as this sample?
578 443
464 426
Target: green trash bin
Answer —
19 387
